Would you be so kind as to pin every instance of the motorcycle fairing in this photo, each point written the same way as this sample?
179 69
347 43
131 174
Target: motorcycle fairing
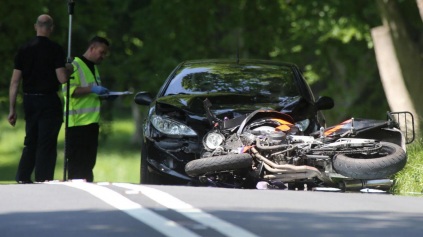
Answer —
285 125
263 113
360 125
334 129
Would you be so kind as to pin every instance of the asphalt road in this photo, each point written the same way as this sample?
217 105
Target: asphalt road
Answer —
83 209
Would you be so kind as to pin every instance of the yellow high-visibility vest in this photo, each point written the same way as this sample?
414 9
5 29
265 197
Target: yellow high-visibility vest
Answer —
83 110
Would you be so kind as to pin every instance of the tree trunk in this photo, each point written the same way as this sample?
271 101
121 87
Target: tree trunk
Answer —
399 61
420 6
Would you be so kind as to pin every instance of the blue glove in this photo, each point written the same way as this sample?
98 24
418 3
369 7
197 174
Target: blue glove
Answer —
99 90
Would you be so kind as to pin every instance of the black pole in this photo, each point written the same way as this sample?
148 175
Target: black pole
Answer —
237 46
71 5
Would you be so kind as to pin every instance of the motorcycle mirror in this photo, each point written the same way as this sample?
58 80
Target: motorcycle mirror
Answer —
143 98
324 103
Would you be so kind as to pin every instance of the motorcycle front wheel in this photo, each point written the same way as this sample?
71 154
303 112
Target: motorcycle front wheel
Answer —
218 163
390 159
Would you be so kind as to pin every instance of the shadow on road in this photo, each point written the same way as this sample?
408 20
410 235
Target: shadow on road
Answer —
116 223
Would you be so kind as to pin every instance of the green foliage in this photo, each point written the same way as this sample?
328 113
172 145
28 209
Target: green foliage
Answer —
330 40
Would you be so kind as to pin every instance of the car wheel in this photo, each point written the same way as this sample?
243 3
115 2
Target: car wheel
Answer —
147 177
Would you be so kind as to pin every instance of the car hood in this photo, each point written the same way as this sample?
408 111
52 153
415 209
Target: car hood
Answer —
223 103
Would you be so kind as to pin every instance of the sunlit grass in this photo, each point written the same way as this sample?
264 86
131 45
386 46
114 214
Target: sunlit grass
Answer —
410 179
117 159
11 145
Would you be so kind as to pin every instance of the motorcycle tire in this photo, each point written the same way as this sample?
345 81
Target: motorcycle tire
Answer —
372 168
218 163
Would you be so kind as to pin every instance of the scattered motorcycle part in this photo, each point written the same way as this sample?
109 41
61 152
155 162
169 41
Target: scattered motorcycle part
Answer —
263 185
264 129
370 190
352 142
269 146
247 138
304 139
356 185
277 136
326 189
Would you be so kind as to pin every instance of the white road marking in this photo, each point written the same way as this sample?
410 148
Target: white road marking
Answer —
189 211
104 183
165 226
132 192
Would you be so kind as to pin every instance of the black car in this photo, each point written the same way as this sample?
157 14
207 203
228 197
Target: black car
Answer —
177 119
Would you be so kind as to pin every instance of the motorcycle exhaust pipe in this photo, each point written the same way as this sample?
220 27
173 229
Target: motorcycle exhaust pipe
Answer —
300 171
288 175
357 185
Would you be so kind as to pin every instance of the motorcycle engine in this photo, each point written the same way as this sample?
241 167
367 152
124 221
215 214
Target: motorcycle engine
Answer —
263 134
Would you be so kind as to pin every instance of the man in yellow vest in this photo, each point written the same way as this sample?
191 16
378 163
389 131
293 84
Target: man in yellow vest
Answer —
84 110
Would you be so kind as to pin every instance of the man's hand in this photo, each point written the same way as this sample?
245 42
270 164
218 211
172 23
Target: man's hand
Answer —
12 118
13 93
99 90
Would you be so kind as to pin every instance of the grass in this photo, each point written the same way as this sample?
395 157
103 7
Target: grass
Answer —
117 159
409 181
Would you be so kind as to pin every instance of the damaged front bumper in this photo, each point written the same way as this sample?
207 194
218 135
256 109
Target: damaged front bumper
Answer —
168 156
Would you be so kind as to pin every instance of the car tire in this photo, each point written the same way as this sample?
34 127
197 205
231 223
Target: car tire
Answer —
147 177
372 168
218 163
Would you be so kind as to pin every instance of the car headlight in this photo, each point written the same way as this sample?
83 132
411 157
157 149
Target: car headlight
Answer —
213 140
303 124
171 127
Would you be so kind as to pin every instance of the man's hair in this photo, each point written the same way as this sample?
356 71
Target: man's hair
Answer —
47 24
98 40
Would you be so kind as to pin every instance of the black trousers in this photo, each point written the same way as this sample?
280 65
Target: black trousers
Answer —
82 151
44 117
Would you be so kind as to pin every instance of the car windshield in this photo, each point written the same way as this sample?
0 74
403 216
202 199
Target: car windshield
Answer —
276 81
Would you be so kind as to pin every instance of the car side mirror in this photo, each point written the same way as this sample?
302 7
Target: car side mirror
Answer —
324 103
143 98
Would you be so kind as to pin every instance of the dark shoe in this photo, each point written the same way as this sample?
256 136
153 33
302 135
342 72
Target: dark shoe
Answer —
25 182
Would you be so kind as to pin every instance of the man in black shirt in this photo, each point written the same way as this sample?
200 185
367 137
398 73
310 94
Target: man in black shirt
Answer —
41 64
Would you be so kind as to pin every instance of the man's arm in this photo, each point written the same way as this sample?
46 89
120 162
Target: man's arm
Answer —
13 93
99 90
80 91
62 75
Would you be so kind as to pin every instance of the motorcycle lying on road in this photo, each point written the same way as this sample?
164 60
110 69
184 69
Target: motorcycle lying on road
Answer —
266 150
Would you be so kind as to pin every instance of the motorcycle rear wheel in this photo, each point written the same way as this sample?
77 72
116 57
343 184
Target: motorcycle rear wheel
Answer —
218 163
392 158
